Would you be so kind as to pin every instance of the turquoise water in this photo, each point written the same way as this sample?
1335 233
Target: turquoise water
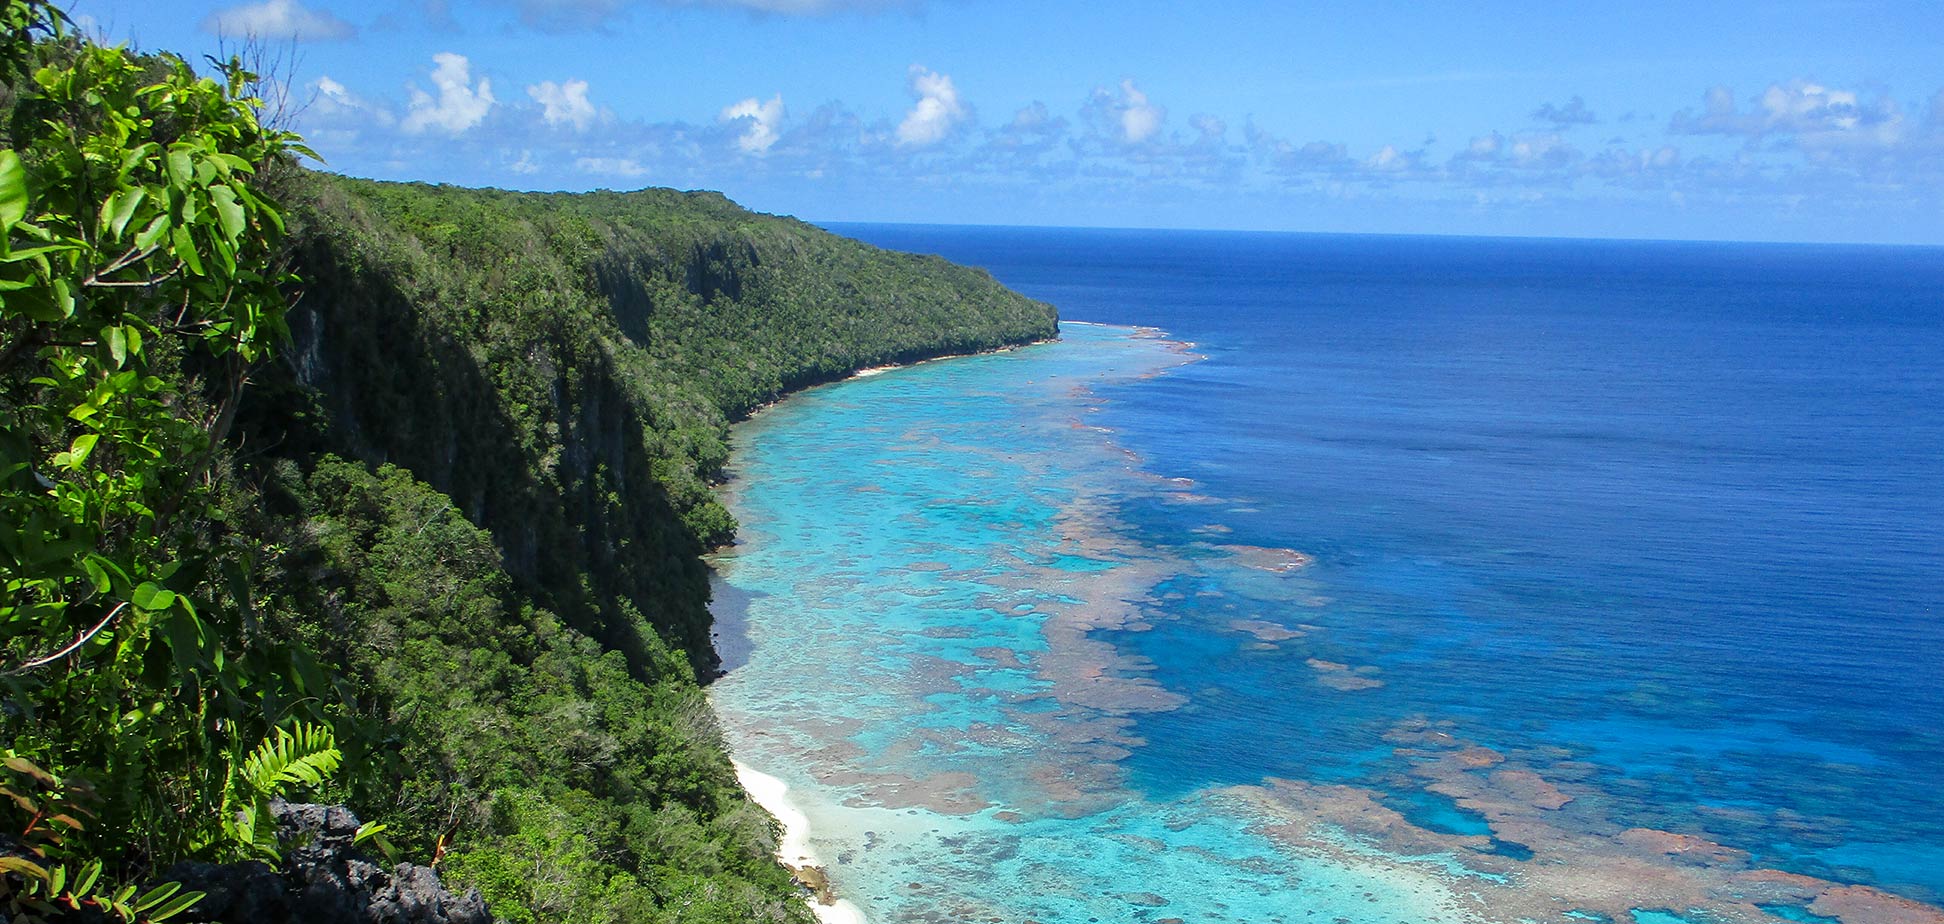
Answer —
1622 605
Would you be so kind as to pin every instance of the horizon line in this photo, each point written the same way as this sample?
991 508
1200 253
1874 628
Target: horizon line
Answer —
1592 238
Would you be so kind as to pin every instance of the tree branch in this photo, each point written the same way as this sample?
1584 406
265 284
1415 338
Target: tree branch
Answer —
71 648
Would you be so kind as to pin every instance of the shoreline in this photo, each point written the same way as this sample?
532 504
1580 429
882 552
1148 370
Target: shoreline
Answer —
793 850
864 372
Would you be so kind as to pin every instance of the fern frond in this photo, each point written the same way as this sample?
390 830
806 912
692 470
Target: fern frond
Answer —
306 755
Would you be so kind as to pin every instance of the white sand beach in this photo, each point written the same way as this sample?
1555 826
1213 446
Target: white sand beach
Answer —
794 850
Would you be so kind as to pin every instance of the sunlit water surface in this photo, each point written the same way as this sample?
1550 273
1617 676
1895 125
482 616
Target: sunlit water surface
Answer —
1439 580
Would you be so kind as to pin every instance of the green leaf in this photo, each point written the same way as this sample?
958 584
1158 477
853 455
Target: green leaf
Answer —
147 596
13 190
305 756
152 235
175 906
90 873
126 202
157 895
97 575
24 867
23 254
83 445
185 250
228 211
181 169
63 296
117 345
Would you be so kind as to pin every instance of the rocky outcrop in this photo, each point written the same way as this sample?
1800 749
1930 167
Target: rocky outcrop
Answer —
324 879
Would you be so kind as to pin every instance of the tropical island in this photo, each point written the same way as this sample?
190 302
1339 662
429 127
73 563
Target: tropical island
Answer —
325 494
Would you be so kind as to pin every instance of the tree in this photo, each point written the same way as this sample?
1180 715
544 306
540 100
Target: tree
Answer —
138 286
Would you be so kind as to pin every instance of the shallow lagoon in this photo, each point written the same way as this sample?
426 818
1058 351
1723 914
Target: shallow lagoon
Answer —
1015 667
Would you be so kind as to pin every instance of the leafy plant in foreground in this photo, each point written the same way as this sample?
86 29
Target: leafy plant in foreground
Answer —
138 288
38 884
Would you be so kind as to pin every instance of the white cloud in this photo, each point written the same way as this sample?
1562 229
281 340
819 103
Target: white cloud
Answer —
333 104
1122 117
459 106
278 19
936 113
610 166
564 103
762 119
1483 147
1389 158
1139 118
1541 151
332 90
1816 115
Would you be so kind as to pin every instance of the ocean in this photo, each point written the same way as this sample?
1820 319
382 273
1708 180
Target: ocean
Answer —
1366 579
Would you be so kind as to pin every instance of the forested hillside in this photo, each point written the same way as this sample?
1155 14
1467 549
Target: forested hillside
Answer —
559 371
389 495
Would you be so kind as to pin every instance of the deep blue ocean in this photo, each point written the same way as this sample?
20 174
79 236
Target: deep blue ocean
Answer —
1656 528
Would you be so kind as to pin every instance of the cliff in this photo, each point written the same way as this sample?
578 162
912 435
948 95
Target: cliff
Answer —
564 366
482 477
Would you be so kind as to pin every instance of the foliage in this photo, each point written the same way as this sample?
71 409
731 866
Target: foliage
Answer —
553 771
565 366
137 288
304 757
539 388
37 880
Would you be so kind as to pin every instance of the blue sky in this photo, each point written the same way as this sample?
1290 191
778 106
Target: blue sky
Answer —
1817 121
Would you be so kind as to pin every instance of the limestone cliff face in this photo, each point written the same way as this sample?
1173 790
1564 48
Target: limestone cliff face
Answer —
564 367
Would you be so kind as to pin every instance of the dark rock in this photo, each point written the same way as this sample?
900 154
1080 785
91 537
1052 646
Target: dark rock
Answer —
324 880
247 891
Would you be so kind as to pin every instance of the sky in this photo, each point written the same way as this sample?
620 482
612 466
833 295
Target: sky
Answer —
1791 121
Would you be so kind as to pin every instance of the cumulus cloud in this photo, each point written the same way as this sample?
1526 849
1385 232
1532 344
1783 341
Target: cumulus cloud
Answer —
1484 148
1548 150
761 120
1573 113
332 92
563 103
1389 157
1123 116
460 104
1816 115
335 115
1139 118
279 20
936 113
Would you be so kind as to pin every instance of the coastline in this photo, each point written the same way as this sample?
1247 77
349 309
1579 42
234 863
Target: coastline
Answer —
793 849
866 372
